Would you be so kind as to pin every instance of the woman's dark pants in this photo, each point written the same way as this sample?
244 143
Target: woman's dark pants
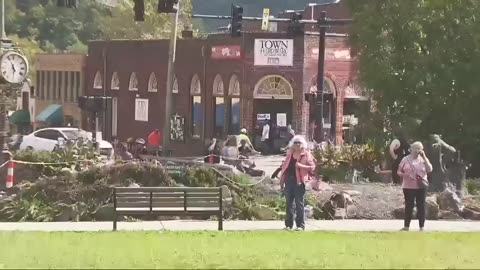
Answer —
412 197
295 194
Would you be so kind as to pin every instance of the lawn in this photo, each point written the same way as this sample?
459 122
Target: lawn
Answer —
239 250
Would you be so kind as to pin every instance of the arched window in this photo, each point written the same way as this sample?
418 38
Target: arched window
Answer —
98 81
195 86
273 86
330 91
234 86
115 83
218 89
197 109
133 82
175 86
328 85
152 83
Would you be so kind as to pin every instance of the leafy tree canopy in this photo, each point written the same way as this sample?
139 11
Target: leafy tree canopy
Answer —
420 59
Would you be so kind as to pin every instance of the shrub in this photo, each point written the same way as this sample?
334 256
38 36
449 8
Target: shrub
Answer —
335 162
473 186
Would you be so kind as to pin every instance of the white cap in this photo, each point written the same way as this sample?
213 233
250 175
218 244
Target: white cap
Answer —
243 130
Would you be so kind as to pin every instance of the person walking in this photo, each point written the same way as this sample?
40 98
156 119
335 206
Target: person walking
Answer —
296 168
413 170
265 138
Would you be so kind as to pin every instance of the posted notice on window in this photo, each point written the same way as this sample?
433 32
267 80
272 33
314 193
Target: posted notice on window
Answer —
273 52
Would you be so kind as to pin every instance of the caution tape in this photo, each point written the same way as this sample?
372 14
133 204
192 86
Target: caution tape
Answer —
5 163
239 184
43 163
232 159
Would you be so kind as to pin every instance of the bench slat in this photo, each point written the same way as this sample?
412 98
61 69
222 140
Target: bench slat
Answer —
160 200
168 195
119 190
146 204
172 211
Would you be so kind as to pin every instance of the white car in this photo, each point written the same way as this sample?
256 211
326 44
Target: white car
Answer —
48 139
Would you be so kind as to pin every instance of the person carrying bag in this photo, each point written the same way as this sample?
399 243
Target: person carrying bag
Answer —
413 170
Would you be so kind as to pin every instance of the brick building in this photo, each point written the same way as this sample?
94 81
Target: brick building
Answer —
222 84
59 82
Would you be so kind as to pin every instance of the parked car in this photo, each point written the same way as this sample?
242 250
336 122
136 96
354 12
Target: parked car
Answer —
50 138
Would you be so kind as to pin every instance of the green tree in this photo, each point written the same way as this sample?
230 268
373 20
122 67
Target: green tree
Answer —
121 24
420 59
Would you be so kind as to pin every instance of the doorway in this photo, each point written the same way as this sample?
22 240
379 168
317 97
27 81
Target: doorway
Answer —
279 114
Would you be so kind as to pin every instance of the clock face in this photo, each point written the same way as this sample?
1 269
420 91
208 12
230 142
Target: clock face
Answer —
13 67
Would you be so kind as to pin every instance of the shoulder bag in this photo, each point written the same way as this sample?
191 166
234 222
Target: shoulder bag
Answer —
422 182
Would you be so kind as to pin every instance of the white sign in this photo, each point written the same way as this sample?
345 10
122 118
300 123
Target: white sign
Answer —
266 16
263 116
273 52
281 119
141 109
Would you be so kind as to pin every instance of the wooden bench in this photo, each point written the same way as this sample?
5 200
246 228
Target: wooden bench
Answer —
168 201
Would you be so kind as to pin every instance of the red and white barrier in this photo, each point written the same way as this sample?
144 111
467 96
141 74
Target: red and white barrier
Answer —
11 166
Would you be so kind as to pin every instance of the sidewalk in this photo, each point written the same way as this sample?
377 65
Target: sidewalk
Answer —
185 225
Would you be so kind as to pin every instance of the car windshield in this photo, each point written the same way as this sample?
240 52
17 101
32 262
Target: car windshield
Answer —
75 134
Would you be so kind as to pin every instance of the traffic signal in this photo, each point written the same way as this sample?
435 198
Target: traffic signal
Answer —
237 18
139 10
167 6
67 3
296 26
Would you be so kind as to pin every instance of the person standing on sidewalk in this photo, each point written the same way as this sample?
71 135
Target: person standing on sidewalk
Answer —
296 168
412 168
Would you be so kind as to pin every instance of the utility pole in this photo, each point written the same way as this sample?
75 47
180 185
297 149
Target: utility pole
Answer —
319 135
3 113
170 80
323 23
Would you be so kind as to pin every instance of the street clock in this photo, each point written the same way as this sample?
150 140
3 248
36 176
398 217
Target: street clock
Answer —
13 67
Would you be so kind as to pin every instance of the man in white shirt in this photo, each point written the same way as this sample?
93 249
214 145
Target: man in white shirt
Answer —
266 137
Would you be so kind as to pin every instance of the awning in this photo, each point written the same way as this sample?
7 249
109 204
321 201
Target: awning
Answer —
52 115
20 118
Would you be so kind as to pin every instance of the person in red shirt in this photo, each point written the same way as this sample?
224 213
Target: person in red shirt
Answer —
154 140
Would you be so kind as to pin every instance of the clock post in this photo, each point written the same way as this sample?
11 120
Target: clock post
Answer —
13 72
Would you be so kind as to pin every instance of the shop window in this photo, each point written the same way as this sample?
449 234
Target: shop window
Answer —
235 116
197 108
197 116
219 114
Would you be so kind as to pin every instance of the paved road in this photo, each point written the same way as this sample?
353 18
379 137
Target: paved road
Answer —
268 163
185 225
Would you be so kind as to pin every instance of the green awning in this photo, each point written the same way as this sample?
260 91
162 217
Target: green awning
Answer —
20 118
52 115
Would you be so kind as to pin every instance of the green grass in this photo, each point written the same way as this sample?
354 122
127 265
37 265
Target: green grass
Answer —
239 250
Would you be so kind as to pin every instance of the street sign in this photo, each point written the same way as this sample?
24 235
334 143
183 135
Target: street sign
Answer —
266 16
